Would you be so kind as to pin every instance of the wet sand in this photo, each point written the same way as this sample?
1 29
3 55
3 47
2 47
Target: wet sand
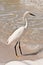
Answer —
11 19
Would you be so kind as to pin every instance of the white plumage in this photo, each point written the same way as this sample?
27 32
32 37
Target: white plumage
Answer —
20 30
18 33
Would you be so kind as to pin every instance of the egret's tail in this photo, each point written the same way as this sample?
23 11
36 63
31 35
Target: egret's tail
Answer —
8 41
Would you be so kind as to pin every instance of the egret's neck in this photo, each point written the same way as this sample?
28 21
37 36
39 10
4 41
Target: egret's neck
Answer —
24 18
26 23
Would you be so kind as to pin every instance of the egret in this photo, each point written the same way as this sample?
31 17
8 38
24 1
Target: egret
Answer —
18 33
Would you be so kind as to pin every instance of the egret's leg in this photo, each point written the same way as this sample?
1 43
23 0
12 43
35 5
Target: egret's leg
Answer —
15 48
20 48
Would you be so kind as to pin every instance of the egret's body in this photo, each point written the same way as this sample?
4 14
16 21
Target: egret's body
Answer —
18 33
15 35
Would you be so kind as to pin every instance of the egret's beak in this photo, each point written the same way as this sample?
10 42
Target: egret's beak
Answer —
32 14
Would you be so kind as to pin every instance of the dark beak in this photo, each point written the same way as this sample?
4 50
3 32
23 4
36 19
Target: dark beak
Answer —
32 14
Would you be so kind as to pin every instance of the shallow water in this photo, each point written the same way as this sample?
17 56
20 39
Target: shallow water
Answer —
11 13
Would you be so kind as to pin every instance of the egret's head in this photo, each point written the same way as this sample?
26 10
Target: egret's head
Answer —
32 14
27 12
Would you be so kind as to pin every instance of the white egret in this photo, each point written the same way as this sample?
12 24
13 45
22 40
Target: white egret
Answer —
18 33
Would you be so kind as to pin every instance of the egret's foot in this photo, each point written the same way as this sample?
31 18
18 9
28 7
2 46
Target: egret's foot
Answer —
17 56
